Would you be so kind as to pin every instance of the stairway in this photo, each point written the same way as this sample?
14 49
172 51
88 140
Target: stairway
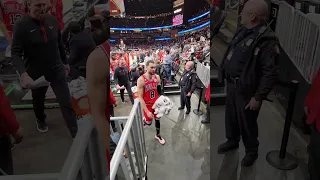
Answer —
172 89
229 27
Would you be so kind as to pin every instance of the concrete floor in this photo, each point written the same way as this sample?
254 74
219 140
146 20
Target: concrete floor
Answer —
186 154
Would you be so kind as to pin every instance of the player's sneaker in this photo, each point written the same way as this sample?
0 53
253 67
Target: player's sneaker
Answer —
146 123
160 139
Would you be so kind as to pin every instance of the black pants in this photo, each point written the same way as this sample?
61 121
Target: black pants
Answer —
314 153
128 87
61 90
113 125
241 122
185 100
5 155
208 111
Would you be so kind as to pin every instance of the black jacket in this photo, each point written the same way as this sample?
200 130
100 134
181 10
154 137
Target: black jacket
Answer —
189 79
80 47
40 45
261 70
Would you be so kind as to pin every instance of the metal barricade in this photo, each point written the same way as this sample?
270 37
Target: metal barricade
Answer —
86 158
299 37
133 167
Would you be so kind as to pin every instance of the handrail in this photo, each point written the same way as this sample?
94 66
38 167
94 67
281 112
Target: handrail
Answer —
75 156
115 161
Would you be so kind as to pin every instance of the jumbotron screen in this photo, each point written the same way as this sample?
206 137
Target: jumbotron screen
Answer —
177 20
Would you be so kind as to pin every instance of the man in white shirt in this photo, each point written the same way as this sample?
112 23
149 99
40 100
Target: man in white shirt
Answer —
148 57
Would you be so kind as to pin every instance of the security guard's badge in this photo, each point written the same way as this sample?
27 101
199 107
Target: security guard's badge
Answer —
249 42
230 54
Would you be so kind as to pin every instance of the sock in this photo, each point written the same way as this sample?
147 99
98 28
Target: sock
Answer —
157 126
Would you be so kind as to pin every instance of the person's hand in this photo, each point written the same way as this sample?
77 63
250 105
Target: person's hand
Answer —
87 23
150 115
26 81
67 69
18 136
118 87
306 110
253 104
189 94
115 104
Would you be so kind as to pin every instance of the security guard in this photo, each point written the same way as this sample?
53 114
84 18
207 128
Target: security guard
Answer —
187 85
250 68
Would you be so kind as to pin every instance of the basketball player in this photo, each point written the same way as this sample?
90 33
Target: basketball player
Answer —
10 12
98 77
149 89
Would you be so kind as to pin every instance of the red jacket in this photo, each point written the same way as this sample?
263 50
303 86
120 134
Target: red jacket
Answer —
59 13
112 99
313 102
208 94
8 121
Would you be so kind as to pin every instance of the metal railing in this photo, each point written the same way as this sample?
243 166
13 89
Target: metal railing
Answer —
86 158
299 37
132 140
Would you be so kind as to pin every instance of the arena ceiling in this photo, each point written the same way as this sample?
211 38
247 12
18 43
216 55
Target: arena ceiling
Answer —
147 7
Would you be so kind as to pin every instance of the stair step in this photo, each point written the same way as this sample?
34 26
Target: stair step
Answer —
172 92
172 86
218 99
225 35
214 81
231 25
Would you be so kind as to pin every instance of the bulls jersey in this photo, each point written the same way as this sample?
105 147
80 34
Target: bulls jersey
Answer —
150 93
105 47
12 10
59 13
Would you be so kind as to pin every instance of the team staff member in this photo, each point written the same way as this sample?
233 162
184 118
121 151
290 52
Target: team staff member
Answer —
37 39
250 68
187 85
8 126
122 78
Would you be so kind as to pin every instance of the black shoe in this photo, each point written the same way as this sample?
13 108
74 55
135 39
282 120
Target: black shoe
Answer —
188 111
205 121
227 146
249 159
42 126
180 108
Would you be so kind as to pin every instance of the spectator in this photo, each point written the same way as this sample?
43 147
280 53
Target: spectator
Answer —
9 126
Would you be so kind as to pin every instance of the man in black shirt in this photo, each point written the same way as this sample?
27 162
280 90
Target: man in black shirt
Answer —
121 78
250 68
80 46
37 39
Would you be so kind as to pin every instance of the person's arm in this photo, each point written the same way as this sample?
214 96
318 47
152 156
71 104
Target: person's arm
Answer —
115 75
112 98
97 74
62 51
268 60
140 88
73 51
17 50
4 29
